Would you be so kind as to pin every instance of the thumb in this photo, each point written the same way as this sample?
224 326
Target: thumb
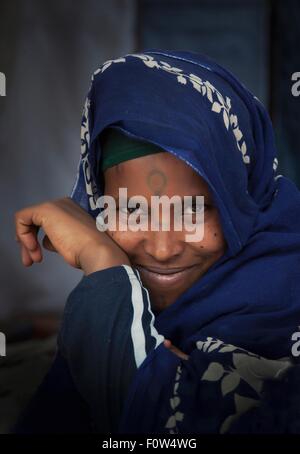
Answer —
168 344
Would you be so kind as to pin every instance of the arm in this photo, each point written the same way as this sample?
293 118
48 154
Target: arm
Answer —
106 334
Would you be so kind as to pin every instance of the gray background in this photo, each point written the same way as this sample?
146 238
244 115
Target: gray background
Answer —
48 51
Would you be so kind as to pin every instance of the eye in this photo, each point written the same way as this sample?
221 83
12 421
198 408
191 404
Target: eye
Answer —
130 210
195 208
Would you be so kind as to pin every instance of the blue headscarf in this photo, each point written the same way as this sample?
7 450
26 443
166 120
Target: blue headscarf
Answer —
193 108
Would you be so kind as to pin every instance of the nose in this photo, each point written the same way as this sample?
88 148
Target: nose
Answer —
164 246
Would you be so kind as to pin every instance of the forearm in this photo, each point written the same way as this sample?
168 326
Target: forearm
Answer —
106 334
97 258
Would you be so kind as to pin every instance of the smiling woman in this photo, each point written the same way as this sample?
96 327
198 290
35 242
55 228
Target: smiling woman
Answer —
165 335
167 262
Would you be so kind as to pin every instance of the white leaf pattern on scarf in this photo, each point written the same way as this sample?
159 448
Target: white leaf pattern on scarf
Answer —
243 366
204 87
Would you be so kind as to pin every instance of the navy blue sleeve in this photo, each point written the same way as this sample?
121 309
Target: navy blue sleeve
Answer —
106 333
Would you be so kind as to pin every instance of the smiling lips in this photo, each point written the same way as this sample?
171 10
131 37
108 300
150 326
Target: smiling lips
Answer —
165 276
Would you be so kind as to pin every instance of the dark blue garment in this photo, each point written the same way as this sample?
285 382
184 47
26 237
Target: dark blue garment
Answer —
57 406
279 412
98 354
106 333
198 111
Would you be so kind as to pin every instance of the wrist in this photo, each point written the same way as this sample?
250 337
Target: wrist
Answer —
97 258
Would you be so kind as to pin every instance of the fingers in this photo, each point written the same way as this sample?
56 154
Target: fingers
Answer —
26 259
26 229
27 236
168 344
30 257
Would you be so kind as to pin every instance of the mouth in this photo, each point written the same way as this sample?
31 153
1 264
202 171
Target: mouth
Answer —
165 276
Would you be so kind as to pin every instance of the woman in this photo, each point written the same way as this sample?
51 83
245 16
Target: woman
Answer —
163 335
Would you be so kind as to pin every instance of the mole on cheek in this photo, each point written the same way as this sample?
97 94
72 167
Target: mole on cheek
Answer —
215 234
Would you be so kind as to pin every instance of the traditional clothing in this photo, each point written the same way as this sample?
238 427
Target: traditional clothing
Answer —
249 300
116 147
237 322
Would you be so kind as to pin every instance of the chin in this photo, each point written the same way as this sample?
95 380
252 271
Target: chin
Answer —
161 300
159 306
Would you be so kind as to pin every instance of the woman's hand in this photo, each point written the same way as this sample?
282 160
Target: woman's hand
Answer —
70 231
168 344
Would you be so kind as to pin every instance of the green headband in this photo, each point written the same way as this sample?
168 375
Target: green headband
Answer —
118 147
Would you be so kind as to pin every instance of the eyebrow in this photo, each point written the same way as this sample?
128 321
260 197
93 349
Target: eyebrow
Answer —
206 197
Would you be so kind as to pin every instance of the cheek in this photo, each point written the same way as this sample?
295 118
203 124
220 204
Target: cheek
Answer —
213 241
128 241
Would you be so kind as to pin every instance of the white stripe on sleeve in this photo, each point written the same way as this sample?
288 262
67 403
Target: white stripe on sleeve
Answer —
137 331
158 337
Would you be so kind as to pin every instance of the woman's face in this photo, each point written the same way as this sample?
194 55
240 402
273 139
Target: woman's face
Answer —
168 264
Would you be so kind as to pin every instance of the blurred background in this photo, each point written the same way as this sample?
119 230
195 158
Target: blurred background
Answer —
48 51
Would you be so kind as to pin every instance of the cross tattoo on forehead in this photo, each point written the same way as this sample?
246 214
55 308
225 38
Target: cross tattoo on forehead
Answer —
157 181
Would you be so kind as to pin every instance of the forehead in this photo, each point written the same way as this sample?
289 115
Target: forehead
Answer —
157 173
